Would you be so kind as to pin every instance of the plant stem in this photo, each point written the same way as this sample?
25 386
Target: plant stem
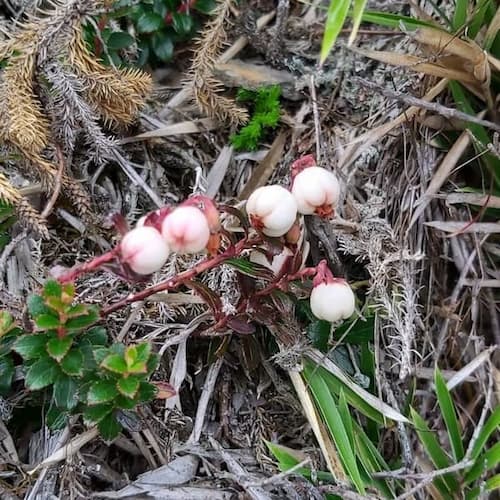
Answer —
87 267
179 279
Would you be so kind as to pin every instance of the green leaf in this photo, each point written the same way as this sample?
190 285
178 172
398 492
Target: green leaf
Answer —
250 268
183 23
97 335
489 460
493 483
358 7
76 310
205 6
287 457
447 484
115 363
41 374
36 306
65 392
319 334
55 418
72 363
119 40
147 392
149 22
47 322
152 364
449 415
7 323
128 386
31 346
94 414
137 354
59 347
328 408
345 415
163 46
52 289
125 403
336 16
6 374
101 391
491 425
109 427
460 14
83 321
394 20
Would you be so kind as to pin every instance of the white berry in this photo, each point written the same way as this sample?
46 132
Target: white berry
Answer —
332 301
144 250
186 230
316 190
276 263
272 209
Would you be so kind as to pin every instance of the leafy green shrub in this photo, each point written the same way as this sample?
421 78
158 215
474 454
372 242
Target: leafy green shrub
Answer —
265 104
155 26
74 361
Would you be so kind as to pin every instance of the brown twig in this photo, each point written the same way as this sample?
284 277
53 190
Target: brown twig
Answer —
57 184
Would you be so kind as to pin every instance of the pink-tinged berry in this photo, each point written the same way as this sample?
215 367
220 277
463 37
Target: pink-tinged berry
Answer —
154 219
316 190
186 230
272 210
144 250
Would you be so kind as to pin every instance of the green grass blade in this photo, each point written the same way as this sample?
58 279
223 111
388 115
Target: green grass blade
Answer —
358 7
478 20
449 413
492 424
493 483
328 408
487 461
346 417
335 19
436 454
463 103
460 14
394 20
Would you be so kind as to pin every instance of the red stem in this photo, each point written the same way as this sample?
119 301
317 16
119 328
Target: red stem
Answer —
182 9
87 267
179 279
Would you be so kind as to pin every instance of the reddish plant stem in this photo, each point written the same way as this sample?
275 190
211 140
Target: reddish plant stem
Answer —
88 267
179 279
182 9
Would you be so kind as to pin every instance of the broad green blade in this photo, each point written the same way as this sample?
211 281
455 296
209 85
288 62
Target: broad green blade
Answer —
491 425
358 7
335 19
449 415
460 14
489 460
394 20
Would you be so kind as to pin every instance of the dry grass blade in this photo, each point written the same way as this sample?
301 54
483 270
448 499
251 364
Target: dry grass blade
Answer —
461 227
481 200
441 175
218 171
464 373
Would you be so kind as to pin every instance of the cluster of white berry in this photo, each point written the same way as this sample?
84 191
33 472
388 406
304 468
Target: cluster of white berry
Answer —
194 227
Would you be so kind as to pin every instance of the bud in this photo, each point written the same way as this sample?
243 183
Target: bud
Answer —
144 250
277 262
186 230
332 301
316 190
154 219
272 210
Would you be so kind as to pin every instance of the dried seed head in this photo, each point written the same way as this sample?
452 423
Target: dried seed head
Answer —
186 230
316 190
332 301
144 250
272 210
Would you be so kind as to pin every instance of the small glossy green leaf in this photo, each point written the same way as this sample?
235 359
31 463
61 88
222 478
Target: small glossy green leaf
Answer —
97 335
205 6
7 323
128 386
119 40
147 392
149 22
163 46
250 268
101 391
83 321
36 306
137 353
59 347
109 427
94 414
152 364
52 289
72 363
41 374
449 415
125 403
6 374
183 23
31 346
65 392
76 310
115 363
336 16
47 322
